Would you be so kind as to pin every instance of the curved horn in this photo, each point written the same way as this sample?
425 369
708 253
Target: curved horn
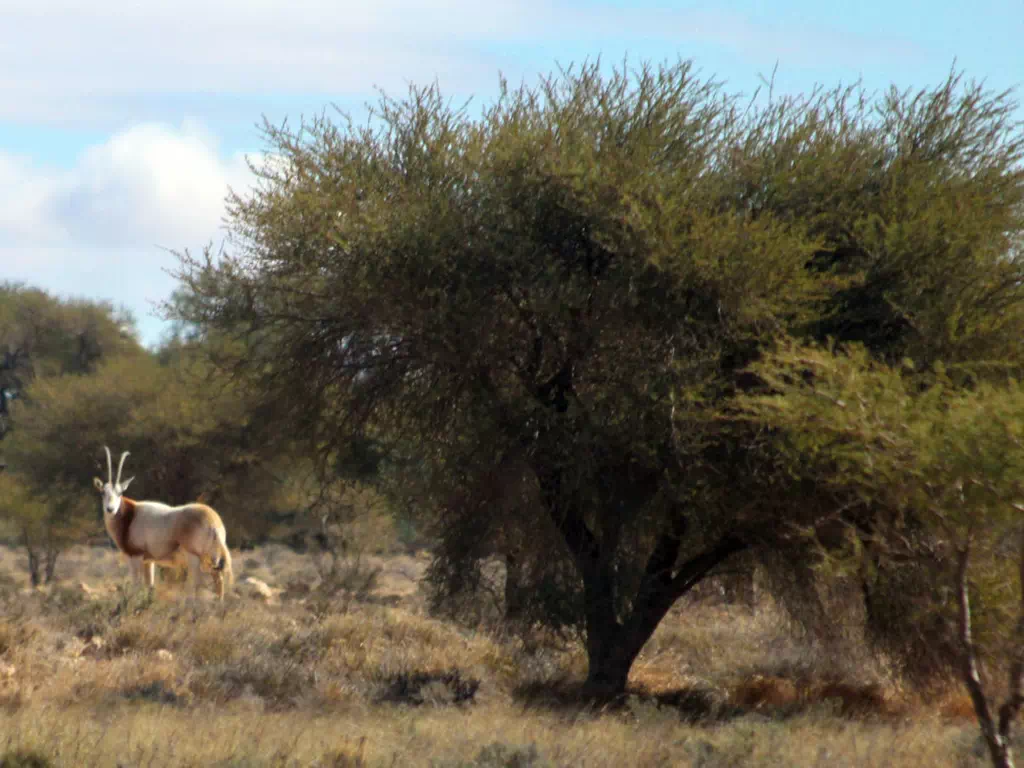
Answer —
120 465
110 469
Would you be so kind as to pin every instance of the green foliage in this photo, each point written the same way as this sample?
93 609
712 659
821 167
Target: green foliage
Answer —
916 199
19 507
41 335
904 440
922 467
45 522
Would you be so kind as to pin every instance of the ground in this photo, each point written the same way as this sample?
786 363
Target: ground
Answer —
95 672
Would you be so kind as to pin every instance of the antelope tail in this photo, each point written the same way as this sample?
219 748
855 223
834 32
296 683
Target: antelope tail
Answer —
223 562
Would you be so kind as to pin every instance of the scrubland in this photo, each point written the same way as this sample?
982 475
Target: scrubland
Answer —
96 672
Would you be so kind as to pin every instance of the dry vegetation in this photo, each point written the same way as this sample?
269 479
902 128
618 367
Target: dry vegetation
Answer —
104 675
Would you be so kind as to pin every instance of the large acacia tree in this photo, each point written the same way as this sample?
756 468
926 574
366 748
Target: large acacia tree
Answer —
567 288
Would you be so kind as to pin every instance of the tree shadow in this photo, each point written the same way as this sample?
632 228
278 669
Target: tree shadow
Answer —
707 705
692 704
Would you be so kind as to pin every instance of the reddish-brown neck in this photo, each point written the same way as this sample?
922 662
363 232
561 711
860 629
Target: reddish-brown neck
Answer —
120 525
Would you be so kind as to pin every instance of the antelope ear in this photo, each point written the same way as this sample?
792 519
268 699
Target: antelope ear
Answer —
98 483
126 483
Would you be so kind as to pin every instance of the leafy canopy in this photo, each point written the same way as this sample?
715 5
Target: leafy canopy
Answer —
560 294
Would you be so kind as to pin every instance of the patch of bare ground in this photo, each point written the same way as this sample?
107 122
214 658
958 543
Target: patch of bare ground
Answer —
107 674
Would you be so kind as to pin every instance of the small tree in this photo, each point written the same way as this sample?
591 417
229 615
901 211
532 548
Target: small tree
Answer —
44 524
912 451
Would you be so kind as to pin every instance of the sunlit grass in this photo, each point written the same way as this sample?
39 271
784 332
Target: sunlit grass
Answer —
109 676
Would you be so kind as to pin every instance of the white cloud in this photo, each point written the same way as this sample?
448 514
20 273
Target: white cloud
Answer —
84 57
147 183
150 184
24 192
101 228
72 62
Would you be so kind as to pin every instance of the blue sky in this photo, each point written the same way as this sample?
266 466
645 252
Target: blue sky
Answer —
122 124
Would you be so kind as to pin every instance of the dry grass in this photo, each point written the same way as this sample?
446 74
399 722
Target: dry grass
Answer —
480 736
113 676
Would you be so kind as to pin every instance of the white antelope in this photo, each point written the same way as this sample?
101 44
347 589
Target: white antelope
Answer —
149 532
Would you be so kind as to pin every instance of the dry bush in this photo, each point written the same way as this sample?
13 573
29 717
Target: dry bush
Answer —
15 634
9 584
277 564
765 663
23 759
83 616
142 633
760 693
956 705
260 676
435 688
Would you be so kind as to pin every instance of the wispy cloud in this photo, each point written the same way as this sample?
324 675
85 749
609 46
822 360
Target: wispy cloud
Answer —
800 43
85 61
80 59
147 185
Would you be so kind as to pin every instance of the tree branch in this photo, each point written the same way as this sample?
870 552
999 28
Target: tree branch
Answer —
695 569
1015 699
665 554
659 590
570 524
969 670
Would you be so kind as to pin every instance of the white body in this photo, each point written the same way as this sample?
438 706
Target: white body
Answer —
150 532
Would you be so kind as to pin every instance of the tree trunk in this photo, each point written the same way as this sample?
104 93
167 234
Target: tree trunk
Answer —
996 739
608 662
613 646
51 564
34 565
608 658
33 558
516 595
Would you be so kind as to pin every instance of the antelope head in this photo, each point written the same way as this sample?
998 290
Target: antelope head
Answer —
112 490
